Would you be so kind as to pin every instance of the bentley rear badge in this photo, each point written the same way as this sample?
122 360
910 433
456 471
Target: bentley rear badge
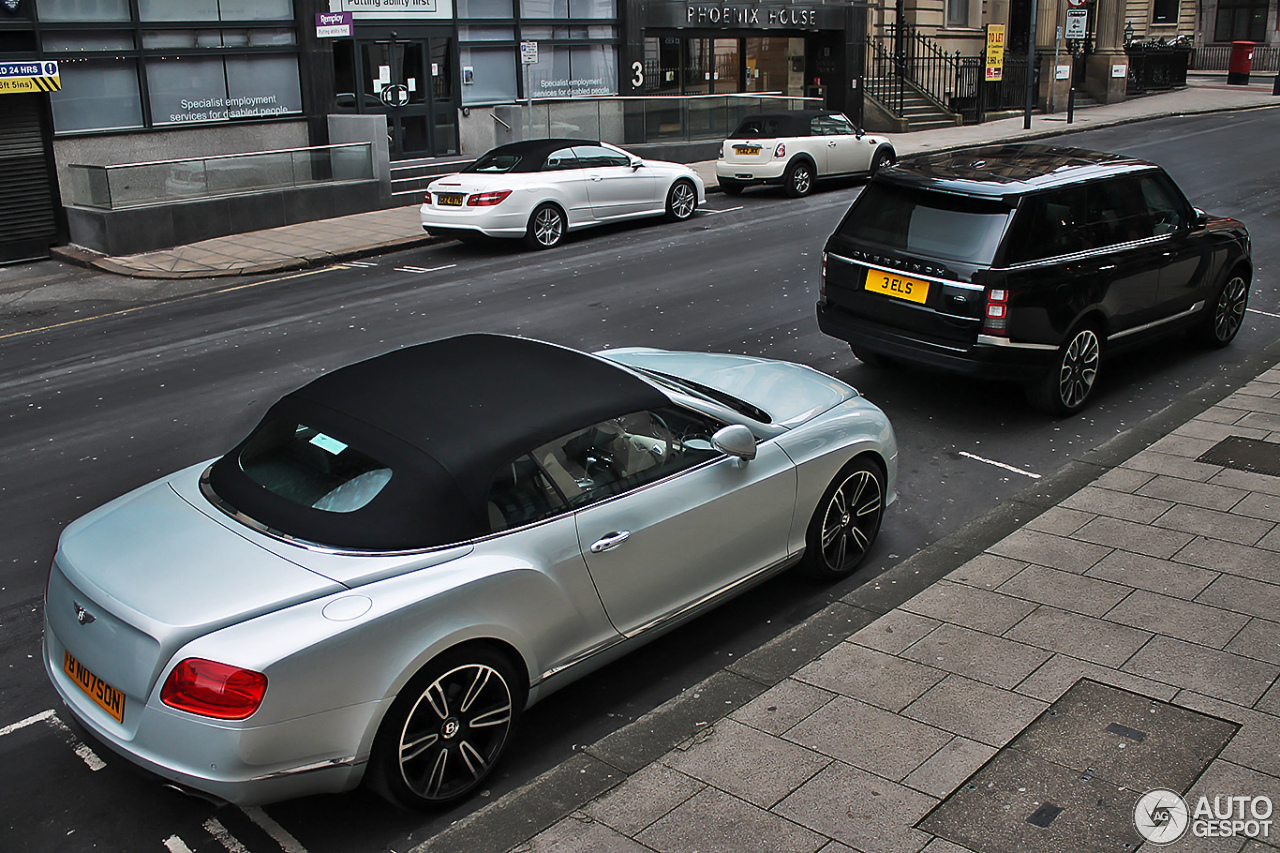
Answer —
84 617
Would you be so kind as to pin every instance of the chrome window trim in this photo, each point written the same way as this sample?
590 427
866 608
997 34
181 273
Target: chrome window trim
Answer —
1091 253
944 281
1180 315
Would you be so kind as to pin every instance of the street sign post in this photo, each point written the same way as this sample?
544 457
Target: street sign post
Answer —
1077 23
528 56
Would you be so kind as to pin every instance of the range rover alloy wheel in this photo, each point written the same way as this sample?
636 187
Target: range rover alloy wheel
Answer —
1223 322
846 522
447 729
798 180
1066 388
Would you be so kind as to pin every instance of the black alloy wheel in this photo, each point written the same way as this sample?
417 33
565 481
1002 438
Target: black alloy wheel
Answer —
682 201
846 522
1221 325
446 731
1066 388
798 180
546 227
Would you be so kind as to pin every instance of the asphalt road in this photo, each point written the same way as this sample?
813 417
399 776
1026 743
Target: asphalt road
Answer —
112 383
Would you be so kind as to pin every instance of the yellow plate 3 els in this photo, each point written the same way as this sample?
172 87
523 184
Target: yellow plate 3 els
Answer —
897 285
107 697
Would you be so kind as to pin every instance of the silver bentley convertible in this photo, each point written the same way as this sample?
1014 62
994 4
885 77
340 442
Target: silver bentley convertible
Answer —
407 552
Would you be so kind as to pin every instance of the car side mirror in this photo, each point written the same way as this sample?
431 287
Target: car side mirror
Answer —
1199 219
860 133
637 163
735 440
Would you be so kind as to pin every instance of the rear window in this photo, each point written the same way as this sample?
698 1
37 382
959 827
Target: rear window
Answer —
495 161
310 468
927 224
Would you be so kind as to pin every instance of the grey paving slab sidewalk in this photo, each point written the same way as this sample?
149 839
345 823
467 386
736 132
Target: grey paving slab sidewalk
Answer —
326 241
963 701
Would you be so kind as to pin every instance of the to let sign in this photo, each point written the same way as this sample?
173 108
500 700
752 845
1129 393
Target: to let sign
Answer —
995 52
33 76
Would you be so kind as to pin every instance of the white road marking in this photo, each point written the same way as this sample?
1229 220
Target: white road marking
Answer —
726 210
174 844
287 842
969 455
87 755
424 269
359 264
22 724
226 839
1263 313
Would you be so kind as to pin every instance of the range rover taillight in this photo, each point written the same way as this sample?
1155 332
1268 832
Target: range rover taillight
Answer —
822 281
995 315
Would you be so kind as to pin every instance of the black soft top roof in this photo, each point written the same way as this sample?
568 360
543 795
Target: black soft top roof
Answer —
533 152
771 125
444 416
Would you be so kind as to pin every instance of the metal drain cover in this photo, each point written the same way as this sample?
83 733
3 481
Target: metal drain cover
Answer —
1071 779
1245 454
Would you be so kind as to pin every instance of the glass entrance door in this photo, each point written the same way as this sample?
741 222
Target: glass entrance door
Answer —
411 82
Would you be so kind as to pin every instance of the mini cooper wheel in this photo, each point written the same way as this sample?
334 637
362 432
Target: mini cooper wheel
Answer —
883 160
1221 324
1066 388
798 180
682 201
446 730
546 227
846 522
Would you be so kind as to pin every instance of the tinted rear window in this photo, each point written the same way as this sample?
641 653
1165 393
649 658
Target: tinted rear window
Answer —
495 161
927 224
307 467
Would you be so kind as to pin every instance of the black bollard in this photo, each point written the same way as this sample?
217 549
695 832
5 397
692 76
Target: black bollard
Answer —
1071 104
1275 87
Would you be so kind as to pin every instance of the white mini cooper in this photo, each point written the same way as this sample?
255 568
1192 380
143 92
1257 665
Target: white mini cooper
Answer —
797 148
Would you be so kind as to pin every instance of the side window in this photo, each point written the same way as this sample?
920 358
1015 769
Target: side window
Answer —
1165 204
521 494
840 126
597 157
819 126
1048 225
1117 213
620 454
558 161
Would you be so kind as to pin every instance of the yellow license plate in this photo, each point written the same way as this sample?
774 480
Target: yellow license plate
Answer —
747 149
896 285
107 697
450 199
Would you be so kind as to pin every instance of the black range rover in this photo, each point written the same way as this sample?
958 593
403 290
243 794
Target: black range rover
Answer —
1030 263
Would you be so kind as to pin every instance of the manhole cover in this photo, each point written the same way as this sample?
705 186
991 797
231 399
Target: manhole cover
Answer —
1245 454
1071 779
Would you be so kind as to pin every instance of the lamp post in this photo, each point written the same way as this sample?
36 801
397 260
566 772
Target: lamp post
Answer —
1128 33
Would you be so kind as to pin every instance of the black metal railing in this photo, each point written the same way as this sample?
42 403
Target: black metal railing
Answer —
976 96
1155 67
1216 57
915 61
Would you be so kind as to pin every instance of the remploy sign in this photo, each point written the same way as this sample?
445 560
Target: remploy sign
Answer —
749 16
415 10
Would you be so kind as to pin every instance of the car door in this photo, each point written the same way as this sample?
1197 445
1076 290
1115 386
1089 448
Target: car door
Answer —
614 187
846 153
567 180
1183 250
665 521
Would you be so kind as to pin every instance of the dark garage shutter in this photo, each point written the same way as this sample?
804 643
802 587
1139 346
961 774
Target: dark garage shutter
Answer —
28 201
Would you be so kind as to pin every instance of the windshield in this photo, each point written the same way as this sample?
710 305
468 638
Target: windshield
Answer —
312 469
697 389
927 224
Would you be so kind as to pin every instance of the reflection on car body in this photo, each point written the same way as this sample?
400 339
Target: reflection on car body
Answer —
1030 263
408 551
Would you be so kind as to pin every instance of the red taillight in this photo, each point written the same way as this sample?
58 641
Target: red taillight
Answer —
780 151
822 282
213 689
995 316
487 199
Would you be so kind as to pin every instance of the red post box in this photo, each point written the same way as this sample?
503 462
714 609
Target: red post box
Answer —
1241 63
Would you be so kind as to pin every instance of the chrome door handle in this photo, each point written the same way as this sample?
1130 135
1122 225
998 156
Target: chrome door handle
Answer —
610 541
596 178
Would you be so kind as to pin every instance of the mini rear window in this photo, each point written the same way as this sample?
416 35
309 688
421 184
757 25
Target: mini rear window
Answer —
312 469
927 224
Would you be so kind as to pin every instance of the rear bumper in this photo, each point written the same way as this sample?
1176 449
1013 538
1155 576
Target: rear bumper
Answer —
989 358
755 173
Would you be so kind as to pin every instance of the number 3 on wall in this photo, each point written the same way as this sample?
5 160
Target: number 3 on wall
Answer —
637 70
